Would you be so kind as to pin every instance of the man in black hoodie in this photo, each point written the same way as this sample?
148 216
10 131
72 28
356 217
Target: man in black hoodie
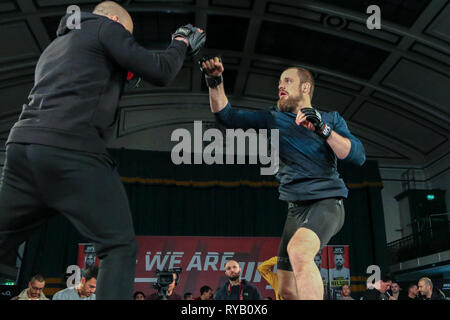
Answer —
428 292
56 158
236 288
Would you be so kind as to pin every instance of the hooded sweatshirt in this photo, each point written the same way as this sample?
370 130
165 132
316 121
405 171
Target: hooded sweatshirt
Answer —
79 80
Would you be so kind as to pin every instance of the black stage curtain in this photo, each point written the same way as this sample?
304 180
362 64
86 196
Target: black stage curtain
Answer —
216 200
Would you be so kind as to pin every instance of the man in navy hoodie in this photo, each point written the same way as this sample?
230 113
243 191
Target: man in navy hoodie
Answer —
56 158
310 142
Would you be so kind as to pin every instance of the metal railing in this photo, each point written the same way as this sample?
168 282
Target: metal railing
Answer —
433 237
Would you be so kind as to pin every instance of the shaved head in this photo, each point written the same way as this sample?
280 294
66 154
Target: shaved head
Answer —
232 270
116 12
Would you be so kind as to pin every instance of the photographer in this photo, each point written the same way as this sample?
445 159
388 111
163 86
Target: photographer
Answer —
163 285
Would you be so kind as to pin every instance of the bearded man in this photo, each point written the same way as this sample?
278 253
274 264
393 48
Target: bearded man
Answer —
310 143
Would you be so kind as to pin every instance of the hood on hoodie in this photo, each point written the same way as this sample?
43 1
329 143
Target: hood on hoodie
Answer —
63 28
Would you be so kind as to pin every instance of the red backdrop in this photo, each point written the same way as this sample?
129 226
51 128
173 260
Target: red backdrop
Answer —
202 260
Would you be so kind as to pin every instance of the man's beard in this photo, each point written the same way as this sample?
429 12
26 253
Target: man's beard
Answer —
290 104
234 278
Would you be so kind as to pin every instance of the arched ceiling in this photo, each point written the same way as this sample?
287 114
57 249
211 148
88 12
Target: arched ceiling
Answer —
391 85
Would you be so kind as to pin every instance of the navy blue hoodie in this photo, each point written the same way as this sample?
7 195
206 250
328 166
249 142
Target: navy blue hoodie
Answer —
308 165
79 80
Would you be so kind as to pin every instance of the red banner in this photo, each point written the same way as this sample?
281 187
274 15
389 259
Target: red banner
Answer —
202 260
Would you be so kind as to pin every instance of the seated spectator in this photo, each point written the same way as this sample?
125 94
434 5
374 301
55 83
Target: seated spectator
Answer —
237 288
345 293
378 290
188 296
206 293
171 295
428 292
138 295
84 291
34 291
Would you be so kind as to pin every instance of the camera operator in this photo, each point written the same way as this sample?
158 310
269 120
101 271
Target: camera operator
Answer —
165 290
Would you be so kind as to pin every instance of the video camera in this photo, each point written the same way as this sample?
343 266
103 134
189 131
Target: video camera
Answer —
164 279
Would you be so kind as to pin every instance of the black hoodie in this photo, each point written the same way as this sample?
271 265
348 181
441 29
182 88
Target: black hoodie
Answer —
79 80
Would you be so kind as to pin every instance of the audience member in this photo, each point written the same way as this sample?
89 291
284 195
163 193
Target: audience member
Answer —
171 295
345 293
395 290
206 293
85 290
428 292
34 291
378 290
139 295
412 294
237 288
188 296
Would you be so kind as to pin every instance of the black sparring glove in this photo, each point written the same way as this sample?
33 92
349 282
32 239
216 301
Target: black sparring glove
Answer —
211 81
196 38
313 116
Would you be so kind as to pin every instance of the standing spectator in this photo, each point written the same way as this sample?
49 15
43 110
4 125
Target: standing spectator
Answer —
345 293
395 289
206 293
188 296
139 295
428 292
378 290
34 291
266 270
237 288
84 291
413 292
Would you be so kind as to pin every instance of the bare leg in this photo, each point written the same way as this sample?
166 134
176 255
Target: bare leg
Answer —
302 248
287 287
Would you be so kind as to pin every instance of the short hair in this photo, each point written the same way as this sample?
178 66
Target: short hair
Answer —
386 278
90 273
106 8
411 285
37 277
187 294
342 287
306 76
233 261
204 289
136 293
427 281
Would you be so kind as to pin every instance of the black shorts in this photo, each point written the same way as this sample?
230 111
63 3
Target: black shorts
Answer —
325 217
